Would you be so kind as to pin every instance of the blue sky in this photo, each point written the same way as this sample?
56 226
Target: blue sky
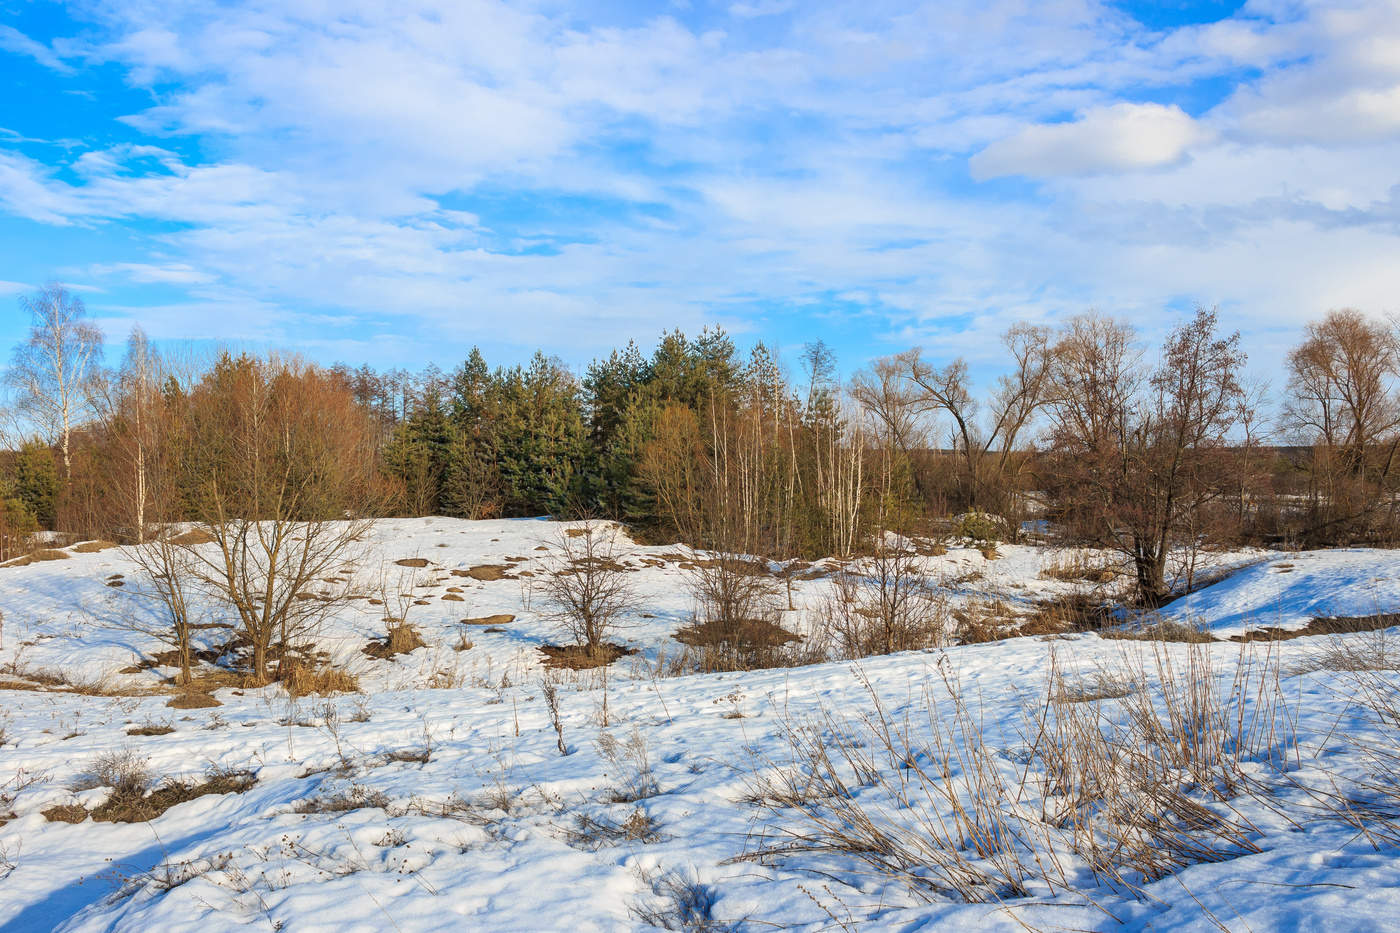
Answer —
394 182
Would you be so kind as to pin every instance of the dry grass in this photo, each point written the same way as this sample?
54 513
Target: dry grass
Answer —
42 554
1161 630
1122 780
581 657
193 537
303 680
401 638
1080 567
679 901
355 797
92 547
593 833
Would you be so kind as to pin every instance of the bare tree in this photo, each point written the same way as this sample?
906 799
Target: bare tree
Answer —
1342 401
985 450
169 576
585 590
284 484
54 370
1133 463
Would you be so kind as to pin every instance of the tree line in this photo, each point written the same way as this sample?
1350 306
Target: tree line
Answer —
1087 434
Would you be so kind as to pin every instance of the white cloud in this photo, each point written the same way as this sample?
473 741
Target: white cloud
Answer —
1119 138
12 40
422 167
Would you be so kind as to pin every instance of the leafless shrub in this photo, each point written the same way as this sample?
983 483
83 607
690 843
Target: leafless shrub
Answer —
884 604
738 608
126 771
583 588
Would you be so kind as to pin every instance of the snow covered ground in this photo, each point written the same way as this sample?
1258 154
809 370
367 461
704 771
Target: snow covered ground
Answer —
1287 591
411 806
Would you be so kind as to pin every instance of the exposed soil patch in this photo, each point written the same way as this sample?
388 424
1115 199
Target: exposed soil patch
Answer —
452 598
92 547
194 536
412 562
484 572
1325 625
193 701
579 658
749 633
502 618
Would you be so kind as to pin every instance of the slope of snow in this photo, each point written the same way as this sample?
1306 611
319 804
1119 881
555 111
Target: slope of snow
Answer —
1288 591
468 815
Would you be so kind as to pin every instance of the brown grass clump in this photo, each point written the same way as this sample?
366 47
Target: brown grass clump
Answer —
192 701
402 638
579 658
484 572
127 806
303 680
357 797
452 598
66 813
192 537
412 562
1161 630
92 547
151 728
39 555
1078 567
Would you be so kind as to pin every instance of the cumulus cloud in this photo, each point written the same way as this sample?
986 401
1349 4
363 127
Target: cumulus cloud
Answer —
1119 138
422 169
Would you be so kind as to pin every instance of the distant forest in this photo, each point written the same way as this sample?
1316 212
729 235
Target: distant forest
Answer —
1086 433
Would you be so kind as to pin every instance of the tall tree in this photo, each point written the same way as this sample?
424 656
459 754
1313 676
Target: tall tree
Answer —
55 370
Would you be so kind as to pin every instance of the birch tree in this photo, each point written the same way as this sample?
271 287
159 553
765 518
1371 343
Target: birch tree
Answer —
56 369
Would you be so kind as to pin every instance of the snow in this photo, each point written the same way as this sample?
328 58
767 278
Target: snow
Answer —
481 834
1287 591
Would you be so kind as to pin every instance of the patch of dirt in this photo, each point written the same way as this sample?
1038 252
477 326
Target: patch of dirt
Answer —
116 583
193 701
486 572
65 813
194 536
1325 625
452 598
750 633
412 562
503 618
92 547
579 658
